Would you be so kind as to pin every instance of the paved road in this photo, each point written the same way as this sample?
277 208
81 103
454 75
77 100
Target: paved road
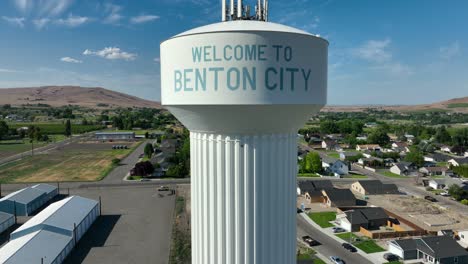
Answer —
329 246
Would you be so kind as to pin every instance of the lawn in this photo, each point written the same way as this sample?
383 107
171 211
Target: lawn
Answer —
356 176
367 245
334 155
323 218
457 105
392 175
394 262
308 175
74 162
10 148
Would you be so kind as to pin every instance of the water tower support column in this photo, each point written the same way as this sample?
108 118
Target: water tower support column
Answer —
243 198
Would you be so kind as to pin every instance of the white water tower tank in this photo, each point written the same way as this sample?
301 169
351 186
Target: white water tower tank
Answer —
243 88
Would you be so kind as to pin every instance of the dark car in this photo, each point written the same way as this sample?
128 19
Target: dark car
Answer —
430 198
390 257
311 242
338 230
349 247
299 210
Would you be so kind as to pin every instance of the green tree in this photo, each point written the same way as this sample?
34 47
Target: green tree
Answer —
149 150
68 131
312 163
415 157
379 136
146 134
3 129
442 135
328 127
457 192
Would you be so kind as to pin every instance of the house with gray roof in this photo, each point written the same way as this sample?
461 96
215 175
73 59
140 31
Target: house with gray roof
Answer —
312 189
368 218
335 166
372 187
338 197
25 201
403 248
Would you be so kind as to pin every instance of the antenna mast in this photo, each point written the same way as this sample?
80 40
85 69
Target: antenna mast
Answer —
236 10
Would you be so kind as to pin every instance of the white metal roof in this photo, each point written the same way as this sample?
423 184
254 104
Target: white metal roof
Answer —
45 187
24 196
5 217
32 247
62 214
244 25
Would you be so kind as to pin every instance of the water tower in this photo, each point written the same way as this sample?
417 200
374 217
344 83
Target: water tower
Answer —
243 87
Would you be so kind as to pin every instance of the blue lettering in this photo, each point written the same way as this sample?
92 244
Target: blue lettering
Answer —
250 52
267 77
281 78
187 80
229 79
292 71
238 52
306 78
288 53
251 78
177 81
261 52
277 47
196 54
214 54
216 70
225 52
199 79
206 53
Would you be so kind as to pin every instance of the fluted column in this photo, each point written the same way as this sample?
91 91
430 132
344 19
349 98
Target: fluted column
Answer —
243 198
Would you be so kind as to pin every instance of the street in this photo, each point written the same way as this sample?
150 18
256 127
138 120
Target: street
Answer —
329 247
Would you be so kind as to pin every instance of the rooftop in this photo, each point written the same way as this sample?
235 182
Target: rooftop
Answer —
24 196
441 246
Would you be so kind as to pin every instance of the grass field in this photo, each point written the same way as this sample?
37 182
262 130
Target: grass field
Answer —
75 162
356 176
459 105
392 175
323 218
308 175
367 245
9 148
345 236
57 128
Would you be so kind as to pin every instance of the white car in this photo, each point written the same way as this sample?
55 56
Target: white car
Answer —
337 260
444 194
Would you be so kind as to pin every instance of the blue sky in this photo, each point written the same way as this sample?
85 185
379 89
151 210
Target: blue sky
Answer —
381 52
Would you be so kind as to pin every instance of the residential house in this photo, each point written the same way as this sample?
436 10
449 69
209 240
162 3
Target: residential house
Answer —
402 168
368 218
312 189
338 197
371 147
465 154
458 161
336 137
409 138
436 157
403 248
367 153
433 249
437 184
436 171
462 236
370 187
349 155
361 138
335 166
169 146
330 144
371 162
400 147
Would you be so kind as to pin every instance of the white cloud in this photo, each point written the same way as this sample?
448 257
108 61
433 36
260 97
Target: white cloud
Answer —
41 23
113 14
70 60
143 19
23 5
374 51
395 68
157 60
16 21
450 51
2 70
44 8
112 53
72 21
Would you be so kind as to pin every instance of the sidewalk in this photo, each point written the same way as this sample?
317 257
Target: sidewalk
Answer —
374 257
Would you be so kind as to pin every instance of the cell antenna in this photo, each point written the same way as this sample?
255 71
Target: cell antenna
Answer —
236 10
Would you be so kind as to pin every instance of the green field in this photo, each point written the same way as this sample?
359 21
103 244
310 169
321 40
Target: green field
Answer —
57 128
367 245
75 162
346 236
323 218
459 105
308 175
10 148
356 176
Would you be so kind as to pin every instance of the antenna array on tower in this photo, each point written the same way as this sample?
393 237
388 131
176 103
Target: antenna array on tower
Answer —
237 11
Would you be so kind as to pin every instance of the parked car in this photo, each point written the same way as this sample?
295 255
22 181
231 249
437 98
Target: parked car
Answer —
338 230
349 247
311 242
430 198
337 260
145 180
299 210
444 194
390 257
163 189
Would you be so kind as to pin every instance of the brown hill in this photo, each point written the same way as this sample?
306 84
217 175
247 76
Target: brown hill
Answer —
95 97
459 105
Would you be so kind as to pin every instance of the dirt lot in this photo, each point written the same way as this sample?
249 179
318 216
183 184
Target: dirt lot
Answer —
425 214
84 161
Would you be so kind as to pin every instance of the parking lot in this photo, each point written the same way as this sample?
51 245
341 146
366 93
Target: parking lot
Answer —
135 226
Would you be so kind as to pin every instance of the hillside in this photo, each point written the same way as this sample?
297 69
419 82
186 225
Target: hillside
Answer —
72 95
459 105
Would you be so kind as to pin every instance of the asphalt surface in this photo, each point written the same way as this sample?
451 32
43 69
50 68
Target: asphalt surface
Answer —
329 246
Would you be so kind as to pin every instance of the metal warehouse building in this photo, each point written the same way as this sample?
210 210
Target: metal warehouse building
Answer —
25 201
51 235
6 221
115 135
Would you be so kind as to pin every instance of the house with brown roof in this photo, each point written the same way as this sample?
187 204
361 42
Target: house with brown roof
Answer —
371 147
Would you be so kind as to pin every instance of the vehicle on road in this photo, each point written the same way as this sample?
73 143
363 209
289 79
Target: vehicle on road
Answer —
163 189
349 247
445 194
310 241
430 198
299 210
337 260
390 257
145 180
338 230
